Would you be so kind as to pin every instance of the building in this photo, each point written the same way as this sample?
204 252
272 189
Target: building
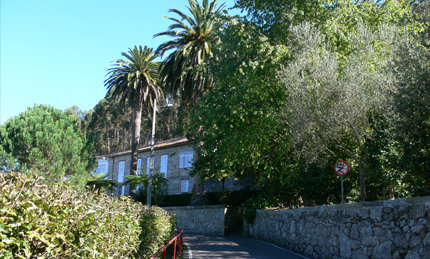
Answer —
173 158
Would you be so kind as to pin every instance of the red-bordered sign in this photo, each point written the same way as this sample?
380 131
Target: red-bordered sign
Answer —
341 168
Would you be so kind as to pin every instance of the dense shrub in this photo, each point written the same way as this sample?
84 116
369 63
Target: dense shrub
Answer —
232 198
37 220
174 200
157 227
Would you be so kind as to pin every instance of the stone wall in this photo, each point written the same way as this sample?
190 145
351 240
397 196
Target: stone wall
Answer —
380 229
200 219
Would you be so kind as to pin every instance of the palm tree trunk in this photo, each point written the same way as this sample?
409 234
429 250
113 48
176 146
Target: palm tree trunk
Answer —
137 119
130 133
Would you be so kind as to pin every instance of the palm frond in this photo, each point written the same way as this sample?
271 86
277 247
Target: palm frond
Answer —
193 37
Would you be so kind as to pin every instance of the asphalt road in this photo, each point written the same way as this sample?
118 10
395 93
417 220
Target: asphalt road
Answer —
199 246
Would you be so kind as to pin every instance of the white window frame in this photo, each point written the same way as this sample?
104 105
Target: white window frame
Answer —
186 159
185 185
163 164
148 165
121 169
139 164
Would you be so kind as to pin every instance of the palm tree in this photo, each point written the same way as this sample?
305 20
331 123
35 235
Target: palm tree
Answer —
99 183
134 81
193 39
159 183
135 180
183 71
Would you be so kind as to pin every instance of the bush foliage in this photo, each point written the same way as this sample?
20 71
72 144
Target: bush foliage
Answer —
157 228
61 222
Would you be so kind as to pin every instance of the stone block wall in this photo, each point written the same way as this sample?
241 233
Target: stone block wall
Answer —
200 219
381 229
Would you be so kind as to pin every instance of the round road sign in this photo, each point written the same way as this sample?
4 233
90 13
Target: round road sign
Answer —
341 168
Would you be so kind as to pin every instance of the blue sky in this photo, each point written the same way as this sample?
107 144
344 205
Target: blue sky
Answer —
57 52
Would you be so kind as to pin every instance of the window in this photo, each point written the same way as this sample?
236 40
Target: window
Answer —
101 169
139 164
163 165
121 171
148 165
184 186
186 159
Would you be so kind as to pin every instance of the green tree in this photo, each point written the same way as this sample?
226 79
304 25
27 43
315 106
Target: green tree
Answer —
7 162
276 109
327 103
108 126
134 81
236 127
421 15
338 21
48 141
412 120
192 44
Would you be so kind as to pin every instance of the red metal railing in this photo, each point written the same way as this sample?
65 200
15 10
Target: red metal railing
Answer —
174 240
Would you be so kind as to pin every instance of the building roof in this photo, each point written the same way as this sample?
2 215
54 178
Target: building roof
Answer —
183 141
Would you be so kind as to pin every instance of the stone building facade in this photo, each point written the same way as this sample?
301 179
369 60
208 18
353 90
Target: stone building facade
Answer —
173 158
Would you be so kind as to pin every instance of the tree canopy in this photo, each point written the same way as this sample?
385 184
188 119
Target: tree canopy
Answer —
49 142
299 85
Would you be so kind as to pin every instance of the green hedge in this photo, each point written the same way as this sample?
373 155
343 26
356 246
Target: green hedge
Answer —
157 227
37 220
174 200
233 198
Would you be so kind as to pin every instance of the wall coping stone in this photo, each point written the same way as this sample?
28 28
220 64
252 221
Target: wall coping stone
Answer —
195 207
367 204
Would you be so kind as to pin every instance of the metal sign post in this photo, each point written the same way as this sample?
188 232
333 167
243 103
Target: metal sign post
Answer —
341 168
341 188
